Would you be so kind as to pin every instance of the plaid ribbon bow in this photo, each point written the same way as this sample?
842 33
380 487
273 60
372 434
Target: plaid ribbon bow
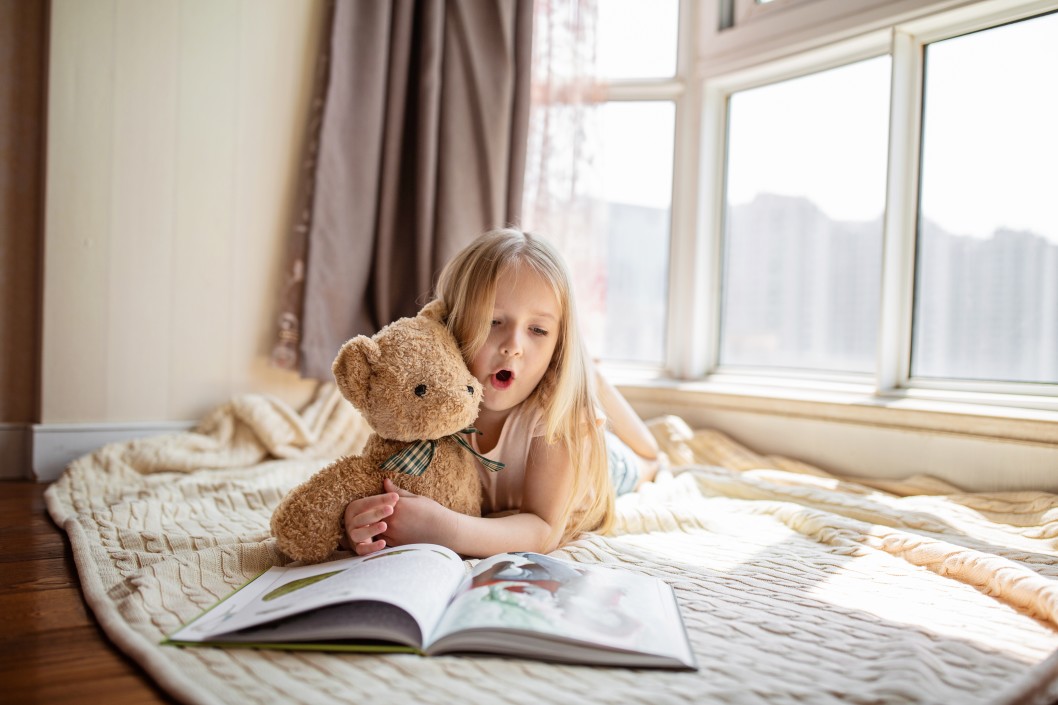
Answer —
414 459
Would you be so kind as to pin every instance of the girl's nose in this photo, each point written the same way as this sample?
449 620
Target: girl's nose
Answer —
511 346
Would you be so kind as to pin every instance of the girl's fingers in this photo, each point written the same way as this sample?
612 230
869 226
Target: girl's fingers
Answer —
363 534
370 516
362 549
362 521
358 506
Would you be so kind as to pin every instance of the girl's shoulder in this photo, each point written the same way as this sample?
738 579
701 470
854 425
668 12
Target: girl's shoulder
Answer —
532 418
527 419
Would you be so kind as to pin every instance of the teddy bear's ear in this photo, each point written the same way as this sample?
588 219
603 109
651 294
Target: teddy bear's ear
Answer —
436 310
352 368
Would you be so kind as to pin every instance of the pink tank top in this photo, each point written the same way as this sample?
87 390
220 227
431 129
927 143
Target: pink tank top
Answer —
503 489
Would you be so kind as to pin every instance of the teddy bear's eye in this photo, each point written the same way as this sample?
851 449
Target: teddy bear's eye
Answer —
420 391
470 390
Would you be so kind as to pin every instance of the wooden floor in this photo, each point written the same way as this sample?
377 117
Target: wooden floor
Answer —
51 648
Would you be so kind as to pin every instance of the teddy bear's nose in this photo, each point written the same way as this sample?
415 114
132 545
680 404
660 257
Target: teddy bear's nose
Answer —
470 390
420 390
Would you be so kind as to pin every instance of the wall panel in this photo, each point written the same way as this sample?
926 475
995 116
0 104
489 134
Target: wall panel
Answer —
177 127
77 220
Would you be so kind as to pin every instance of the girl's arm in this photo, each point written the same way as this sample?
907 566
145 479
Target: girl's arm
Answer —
537 527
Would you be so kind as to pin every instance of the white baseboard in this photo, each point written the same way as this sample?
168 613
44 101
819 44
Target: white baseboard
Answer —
14 451
53 446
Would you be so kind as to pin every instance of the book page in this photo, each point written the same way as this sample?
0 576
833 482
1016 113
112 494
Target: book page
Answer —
418 578
531 604
369 620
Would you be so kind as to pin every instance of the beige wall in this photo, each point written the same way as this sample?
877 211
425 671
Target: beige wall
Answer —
174 130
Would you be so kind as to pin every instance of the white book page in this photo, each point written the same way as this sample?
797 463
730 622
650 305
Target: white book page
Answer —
419 578
563 601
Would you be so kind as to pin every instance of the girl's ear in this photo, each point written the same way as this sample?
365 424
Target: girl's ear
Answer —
436 310
352 368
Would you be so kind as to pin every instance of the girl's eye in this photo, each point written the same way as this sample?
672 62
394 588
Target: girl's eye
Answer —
495 322
538 331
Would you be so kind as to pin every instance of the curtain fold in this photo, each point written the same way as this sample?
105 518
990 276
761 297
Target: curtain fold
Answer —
563 122
421 148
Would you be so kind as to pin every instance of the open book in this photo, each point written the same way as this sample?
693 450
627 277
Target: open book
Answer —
421 598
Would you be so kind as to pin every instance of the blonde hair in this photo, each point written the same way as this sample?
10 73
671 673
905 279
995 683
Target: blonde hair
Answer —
566 393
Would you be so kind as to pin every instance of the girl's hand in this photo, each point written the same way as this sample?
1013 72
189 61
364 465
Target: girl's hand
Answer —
363 522
418 519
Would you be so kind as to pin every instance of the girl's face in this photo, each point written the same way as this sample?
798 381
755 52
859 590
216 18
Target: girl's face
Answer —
522 340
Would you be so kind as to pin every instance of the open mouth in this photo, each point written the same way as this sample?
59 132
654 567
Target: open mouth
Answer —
502 379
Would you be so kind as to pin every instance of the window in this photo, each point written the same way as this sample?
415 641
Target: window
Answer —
802 244
600 164
637 40
986 294
965 227
808 191
633 197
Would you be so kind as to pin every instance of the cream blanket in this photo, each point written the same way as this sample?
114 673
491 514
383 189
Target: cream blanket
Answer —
795 586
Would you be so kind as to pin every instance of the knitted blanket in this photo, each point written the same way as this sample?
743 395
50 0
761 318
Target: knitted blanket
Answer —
795 586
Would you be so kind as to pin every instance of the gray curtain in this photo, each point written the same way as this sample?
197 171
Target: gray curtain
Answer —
417 146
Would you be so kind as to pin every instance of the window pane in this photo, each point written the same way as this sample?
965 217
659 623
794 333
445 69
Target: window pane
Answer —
637 38
805 193
604 199
986 298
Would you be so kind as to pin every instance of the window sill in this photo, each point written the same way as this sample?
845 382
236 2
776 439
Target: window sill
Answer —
950 413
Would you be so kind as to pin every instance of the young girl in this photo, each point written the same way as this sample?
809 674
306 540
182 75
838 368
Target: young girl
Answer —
511 308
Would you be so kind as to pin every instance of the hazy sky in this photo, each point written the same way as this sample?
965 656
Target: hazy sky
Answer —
637 39
990 147
640 172
822 136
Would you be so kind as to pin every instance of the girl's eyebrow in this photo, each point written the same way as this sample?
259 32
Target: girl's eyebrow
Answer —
532 314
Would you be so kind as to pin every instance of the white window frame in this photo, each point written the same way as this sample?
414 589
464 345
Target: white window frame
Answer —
762 33
739 13
782 40
894 376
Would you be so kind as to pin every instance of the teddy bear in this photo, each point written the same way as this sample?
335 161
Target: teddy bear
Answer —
413 388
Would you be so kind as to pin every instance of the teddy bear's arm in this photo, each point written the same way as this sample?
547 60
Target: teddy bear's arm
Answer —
307 523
